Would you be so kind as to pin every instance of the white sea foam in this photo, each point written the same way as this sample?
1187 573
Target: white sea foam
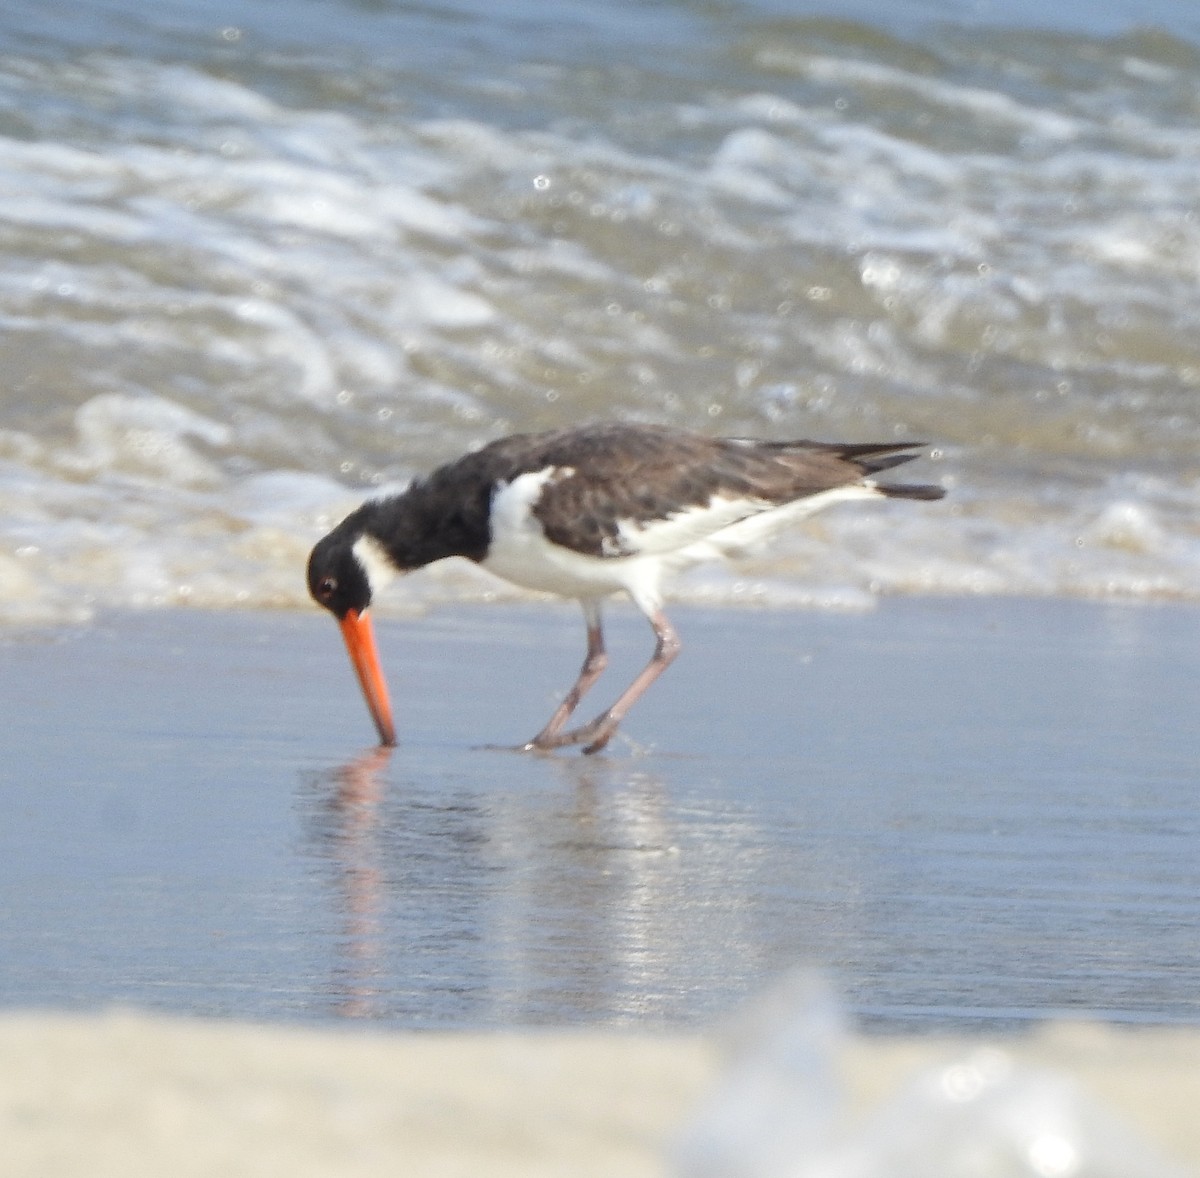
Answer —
243 292
987 105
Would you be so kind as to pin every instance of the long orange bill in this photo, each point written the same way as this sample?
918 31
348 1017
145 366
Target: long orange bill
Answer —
360 642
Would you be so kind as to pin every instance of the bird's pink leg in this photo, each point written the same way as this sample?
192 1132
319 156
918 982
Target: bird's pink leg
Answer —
593 667
595 735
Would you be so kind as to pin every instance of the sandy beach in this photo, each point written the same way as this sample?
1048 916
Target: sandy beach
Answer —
127 1095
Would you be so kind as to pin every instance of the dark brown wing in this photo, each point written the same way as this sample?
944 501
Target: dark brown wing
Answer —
637 474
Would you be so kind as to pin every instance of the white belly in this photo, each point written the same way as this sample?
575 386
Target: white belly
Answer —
535 563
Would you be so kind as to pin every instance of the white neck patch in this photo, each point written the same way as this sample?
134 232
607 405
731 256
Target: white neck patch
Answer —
375 563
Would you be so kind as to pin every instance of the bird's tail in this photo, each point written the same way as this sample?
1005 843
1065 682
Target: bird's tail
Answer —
910 490
873 458
870 458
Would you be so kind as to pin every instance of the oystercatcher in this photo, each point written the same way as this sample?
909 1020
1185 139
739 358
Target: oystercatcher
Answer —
584 513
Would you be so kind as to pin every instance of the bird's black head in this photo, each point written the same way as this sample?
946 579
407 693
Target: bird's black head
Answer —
336 577
339 579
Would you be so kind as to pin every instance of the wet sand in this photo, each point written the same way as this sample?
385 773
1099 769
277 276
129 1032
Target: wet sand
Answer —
975 814
979 816
127 1095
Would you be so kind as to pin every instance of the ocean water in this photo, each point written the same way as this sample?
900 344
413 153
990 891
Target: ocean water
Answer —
261 260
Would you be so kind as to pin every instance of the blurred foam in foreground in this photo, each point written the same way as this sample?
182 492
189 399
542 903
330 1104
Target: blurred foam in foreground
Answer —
780 1109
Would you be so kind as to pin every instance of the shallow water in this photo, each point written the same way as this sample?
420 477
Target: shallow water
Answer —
974 814
263 259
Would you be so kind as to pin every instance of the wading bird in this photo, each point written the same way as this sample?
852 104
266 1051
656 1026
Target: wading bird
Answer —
585 513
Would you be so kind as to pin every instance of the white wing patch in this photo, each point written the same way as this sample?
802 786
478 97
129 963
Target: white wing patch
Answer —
748 533
685 527
727 524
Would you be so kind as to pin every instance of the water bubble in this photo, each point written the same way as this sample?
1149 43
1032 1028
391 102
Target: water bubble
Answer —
541 182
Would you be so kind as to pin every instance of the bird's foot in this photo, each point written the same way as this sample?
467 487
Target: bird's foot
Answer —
599 742
593 736
537 745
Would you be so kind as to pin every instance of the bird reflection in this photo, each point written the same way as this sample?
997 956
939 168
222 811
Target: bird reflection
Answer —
504 895
354 808
595 929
